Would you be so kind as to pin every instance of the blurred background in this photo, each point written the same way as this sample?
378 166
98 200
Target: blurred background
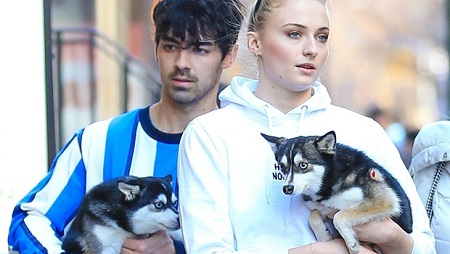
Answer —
72 62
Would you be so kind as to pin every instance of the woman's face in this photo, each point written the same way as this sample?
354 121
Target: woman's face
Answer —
293 45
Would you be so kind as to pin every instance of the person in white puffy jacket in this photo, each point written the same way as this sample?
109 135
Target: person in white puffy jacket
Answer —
430 168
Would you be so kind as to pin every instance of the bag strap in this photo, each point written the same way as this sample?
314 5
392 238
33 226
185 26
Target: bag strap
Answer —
429 207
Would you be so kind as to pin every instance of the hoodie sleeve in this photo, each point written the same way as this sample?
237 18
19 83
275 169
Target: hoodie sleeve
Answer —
39 219
202 177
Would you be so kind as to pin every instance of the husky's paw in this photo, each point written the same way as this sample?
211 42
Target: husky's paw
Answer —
354 249
319 228
353 245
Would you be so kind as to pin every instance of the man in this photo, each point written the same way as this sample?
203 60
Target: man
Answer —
195 40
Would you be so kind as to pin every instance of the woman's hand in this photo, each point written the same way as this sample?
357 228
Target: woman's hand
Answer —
336 246
387 235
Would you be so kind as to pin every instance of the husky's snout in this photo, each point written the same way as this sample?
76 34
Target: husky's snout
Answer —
288 189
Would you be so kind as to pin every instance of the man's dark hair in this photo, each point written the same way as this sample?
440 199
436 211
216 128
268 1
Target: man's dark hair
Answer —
199 20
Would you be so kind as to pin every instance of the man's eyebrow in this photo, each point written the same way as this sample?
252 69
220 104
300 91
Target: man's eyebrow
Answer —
204 43
169 39
189 43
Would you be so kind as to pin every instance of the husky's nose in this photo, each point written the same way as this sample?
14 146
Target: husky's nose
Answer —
288 189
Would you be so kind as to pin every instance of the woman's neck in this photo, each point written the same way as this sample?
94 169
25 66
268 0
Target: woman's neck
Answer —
282 99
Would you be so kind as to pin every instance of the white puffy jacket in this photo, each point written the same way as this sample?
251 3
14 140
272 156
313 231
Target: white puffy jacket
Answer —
431 153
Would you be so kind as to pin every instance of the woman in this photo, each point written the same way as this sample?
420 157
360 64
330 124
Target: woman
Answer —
231 199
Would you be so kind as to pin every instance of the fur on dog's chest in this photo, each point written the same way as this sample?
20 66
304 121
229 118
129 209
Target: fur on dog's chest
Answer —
111 237
343 198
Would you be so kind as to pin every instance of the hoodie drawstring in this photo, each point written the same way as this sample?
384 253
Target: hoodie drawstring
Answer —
268 174
429 205
269 117
304 108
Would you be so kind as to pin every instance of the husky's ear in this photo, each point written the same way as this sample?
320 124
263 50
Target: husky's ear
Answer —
274 142
169 178
326 143
129 190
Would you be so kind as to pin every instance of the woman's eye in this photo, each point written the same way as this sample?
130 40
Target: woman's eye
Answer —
322 38
294 35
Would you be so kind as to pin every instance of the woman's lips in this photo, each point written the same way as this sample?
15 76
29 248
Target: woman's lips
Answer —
307 68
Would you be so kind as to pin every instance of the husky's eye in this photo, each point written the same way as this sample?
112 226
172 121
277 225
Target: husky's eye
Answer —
303 165
175 203
158 205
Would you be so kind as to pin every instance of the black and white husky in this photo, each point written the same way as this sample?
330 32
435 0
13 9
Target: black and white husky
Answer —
125 207
334 177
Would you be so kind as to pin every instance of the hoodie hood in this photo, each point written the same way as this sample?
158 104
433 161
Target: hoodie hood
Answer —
431 145
241 92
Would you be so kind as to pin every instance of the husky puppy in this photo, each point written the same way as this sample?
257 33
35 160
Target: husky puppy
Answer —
336 179
125 207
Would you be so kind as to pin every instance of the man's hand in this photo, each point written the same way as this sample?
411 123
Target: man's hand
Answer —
158 243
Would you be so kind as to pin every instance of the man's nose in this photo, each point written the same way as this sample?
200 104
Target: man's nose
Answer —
183 60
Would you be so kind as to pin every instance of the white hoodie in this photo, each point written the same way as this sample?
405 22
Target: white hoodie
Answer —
231 200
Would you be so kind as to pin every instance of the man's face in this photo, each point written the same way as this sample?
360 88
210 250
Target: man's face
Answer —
190 70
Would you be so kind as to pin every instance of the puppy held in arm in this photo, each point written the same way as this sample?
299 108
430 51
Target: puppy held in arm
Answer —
125 207
336 179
